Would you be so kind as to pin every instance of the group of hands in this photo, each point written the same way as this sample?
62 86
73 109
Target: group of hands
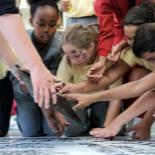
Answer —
46 88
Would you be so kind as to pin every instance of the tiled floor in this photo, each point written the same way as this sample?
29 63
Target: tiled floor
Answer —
75 146
14 144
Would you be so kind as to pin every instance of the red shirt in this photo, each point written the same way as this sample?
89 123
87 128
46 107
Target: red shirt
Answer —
110 14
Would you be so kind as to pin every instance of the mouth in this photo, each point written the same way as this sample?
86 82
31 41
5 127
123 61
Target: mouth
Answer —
45 37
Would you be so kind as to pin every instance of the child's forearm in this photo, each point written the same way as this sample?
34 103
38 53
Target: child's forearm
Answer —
110 76
129 90
141 105
112 112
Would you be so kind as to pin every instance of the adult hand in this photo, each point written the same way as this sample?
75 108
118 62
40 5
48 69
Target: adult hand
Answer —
43 86
83 100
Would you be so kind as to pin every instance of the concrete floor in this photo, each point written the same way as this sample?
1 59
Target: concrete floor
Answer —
14 144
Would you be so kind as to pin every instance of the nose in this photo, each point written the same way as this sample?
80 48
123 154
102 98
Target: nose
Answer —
46 28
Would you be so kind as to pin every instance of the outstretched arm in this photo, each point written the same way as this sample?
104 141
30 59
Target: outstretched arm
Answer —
141 105
6 52
17 37
110 76
129 90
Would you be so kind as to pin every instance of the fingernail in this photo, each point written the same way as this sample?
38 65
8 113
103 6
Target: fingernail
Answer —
47 106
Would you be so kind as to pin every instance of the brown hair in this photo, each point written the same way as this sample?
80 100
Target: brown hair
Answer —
80 36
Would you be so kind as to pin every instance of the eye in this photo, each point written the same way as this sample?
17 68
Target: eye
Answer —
73 52
41 24
52 24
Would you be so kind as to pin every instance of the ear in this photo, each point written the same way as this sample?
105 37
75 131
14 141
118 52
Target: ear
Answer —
30 20
59 21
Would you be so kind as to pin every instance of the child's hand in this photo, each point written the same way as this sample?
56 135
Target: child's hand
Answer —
62 122
55 120
108 132
116 51
64 5
83 100
115 57
97 70
141 131
67 87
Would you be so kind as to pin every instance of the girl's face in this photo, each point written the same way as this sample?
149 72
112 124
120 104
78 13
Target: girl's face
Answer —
130 31
78 56
44 23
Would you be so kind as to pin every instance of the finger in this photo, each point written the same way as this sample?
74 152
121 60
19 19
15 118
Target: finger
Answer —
78 106
46 98
36 92
53 94
64 90
41 97
59 85
67 123
95 131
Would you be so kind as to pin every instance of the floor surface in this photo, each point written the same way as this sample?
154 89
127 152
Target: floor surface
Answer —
14 144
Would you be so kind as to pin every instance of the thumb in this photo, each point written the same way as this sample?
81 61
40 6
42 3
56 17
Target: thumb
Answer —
64 90
78 106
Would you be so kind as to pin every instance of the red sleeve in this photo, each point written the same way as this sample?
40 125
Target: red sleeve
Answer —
138 2
110 26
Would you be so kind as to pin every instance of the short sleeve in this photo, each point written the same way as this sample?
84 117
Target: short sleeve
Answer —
63 71
129 57
8 6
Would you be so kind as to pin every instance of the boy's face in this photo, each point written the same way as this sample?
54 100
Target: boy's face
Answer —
44 23
78 56
130 31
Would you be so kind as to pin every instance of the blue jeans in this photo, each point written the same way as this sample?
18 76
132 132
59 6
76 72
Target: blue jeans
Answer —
30 119
32 123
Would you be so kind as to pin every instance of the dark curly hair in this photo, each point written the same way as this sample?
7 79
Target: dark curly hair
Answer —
145 13
34 4
144 39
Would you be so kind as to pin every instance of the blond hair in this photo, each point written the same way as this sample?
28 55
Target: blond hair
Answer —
79 36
